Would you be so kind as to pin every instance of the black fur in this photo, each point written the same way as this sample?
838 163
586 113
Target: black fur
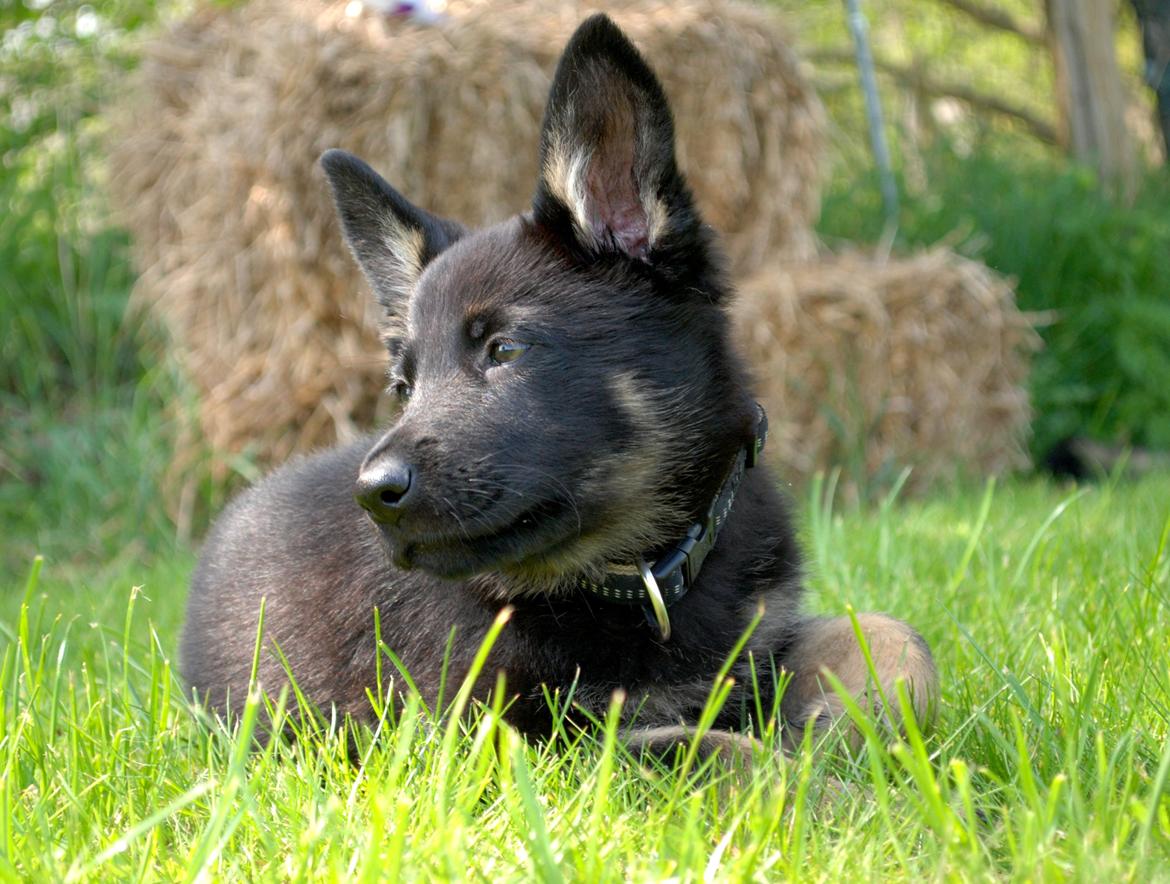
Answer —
606 438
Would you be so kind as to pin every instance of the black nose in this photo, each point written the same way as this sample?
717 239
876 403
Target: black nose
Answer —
384 488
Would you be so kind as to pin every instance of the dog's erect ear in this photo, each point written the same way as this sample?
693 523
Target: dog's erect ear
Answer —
392 239
608 175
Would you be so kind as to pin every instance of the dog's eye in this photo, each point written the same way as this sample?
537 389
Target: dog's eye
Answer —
402 391
503 351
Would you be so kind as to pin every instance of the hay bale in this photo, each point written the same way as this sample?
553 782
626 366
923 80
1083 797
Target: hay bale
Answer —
214 168
876 364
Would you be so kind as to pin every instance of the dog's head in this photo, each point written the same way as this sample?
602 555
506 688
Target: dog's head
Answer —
568 395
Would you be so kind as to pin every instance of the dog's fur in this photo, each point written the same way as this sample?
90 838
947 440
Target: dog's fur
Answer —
607 437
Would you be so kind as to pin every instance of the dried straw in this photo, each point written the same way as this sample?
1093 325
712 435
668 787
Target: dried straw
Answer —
215 172
875 365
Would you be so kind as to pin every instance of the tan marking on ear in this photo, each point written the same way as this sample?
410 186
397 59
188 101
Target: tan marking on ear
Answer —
404 245
564 172
657 218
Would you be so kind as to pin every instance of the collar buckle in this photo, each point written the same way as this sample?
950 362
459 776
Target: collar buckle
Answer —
678 566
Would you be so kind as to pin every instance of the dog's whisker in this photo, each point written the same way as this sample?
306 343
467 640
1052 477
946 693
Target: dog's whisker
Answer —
455 515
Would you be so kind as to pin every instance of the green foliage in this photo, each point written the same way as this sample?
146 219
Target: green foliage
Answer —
64 274
956 77
85 388
1095 270
64 288
82 483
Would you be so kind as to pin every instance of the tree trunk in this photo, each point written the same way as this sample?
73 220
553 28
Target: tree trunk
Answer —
1154 19
1089 88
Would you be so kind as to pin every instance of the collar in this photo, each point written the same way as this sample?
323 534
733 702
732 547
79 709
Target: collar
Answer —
656 587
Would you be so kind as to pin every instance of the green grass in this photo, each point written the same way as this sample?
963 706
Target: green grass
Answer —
1047 608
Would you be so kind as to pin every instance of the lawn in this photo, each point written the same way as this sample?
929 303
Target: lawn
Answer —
1048 608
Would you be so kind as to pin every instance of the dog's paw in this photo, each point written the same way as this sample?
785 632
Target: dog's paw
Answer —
666 744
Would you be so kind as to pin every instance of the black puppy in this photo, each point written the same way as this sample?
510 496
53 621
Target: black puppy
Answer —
576 439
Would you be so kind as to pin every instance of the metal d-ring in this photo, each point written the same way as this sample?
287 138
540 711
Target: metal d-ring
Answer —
656 600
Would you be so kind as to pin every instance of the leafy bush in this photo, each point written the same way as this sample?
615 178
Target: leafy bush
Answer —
64 272
86 392
1097 270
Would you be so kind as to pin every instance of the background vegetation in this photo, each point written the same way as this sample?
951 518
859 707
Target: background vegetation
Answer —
1048 606
972 120
1093 270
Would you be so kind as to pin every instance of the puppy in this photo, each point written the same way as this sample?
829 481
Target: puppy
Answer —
576 439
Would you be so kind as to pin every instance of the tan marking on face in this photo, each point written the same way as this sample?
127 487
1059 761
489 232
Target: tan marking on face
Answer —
632 398
635 471
630 477
633 477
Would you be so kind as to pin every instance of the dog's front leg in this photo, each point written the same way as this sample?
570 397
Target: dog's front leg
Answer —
831 645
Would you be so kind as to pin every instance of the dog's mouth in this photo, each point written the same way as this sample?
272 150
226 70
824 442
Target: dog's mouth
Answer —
528 542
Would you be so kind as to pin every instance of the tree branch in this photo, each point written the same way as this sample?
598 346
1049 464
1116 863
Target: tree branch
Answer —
913 78
997 18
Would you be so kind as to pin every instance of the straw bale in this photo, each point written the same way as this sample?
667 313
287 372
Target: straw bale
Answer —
876 364
214 169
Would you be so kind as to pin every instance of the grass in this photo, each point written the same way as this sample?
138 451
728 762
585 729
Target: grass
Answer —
1047 608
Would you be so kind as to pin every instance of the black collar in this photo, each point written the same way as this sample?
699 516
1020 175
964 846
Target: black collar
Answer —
656 587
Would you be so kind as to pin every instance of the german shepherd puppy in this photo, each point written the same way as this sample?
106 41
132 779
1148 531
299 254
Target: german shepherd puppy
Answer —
576 439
